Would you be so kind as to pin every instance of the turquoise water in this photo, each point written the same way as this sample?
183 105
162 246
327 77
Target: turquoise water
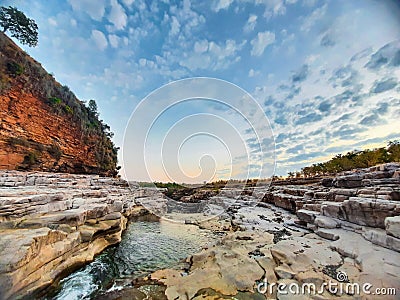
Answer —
145 248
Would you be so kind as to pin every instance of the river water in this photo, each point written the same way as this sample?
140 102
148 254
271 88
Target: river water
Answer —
145 248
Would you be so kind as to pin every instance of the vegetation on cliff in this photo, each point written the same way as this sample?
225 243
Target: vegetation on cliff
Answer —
21 78
353 160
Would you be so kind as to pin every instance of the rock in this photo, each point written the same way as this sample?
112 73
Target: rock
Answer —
341 198
392 225
327 182
362 211
54 222
325 222
227 269
311 276
284 272
327 234
286 293
64 223
348 181
112 216
307 216
268 264
117 206
379 237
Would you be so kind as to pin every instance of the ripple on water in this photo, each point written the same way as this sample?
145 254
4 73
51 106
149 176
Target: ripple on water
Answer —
145 247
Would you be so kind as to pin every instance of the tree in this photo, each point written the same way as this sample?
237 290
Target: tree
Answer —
20 26
93 107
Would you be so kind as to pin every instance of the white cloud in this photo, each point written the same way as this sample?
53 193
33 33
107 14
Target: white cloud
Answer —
175 26
221 4
113 40
142 62
251 23
52 22
73 22
211 55
273 7
253 73
201 46
95 9
146 63
99 39
117 15
261 41
313 18
309 3
128 2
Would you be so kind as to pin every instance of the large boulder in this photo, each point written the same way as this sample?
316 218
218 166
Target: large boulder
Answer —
362 211
392 225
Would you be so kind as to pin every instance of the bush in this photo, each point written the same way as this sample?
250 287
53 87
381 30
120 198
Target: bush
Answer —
55 101
30 159
14 69
68 109
13 141
55 151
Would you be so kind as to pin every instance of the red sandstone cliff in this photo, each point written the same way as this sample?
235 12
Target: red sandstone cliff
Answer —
43 126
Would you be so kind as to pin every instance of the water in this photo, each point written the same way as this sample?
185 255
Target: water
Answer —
145 247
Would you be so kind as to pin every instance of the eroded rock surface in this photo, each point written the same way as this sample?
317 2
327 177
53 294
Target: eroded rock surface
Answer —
52 223
342 231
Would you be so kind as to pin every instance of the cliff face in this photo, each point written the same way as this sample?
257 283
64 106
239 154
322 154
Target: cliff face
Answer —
43 126
52 223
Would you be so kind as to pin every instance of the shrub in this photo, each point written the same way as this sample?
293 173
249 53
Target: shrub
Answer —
55 151
30 159
68 109
55 101
13 141
14 68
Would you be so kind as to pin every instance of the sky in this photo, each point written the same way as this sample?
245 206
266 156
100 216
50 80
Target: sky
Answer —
325 74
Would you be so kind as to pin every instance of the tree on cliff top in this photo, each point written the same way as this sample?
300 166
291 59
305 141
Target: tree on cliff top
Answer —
93 107
20 26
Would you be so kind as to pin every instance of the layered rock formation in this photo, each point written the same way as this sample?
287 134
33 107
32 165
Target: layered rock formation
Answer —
51 223
368 197
343 232
43 126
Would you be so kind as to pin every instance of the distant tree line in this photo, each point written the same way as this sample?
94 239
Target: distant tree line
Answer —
352 160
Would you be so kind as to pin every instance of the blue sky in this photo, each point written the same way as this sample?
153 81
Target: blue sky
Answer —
326 73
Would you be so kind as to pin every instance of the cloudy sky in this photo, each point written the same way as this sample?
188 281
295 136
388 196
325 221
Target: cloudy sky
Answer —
326 73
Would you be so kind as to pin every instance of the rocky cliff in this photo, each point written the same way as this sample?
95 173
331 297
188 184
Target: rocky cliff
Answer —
43 126
53 223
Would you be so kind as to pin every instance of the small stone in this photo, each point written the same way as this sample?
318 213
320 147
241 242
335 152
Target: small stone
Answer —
327 234
284 272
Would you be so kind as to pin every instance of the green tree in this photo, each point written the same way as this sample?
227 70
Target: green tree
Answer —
93 107
394 150
20 26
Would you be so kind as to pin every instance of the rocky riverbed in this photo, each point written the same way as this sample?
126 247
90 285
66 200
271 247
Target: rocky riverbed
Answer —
51 224
341 235
343 231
